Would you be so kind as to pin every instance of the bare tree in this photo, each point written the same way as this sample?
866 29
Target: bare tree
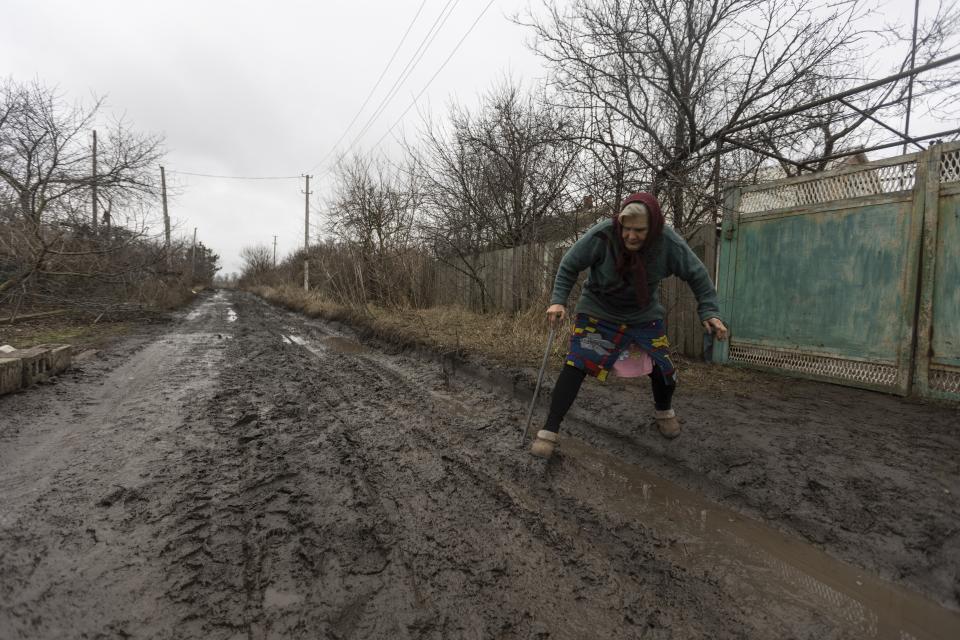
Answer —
494 178
46 157
257 264
372 212
46 177
373 204
667 86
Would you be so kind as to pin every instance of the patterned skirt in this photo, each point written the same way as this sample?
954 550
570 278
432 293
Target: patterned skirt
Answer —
597 344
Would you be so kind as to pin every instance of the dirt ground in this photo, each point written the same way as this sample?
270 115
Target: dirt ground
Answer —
245 472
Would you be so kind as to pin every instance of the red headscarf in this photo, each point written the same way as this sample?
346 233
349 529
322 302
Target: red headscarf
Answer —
635 262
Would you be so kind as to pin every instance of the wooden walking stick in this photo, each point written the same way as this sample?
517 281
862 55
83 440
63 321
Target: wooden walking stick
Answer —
536 390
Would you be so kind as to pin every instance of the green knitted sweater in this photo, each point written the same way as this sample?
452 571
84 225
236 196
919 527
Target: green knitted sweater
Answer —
607 296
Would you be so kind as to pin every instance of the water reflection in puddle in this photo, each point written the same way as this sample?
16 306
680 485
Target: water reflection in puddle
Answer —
336 344
757 561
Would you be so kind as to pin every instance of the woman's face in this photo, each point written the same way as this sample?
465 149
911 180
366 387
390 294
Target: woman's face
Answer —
634 231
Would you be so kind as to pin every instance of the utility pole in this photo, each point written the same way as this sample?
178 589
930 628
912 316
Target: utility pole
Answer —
193 256
913 57
274 251
94 184
306 235
166 219
717 213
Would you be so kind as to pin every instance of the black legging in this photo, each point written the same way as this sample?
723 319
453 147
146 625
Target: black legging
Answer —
568 386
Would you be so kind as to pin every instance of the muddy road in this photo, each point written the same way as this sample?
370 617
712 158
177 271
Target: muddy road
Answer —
248 473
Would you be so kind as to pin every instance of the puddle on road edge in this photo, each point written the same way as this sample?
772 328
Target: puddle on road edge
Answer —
336 344
760 557
344 345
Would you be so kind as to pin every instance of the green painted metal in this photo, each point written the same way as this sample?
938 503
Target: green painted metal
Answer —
862 290
828 283
945 341
937 370
827 288
728 258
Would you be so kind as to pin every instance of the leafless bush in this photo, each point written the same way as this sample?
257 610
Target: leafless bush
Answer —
54 248
258 268
495 178
374 257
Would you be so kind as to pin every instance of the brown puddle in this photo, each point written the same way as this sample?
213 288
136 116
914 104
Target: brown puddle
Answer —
756 561
343 345
336 344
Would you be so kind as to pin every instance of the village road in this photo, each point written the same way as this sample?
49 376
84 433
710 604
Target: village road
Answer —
248 473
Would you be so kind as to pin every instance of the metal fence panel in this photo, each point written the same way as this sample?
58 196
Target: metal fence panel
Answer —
819 274
938 341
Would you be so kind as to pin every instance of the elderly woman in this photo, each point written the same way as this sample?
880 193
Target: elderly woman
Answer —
618 312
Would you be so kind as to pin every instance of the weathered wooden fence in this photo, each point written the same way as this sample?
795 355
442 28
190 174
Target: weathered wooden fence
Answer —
683 323
506 279
516 278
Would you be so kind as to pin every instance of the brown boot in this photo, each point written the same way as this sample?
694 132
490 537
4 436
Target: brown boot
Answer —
667 423
544 444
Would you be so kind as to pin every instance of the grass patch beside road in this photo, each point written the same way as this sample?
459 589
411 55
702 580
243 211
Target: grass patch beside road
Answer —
63 330
511 339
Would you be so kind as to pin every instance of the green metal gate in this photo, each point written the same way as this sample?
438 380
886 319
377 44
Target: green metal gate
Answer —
938 331
820 275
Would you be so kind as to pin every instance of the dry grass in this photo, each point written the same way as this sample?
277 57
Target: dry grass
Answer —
63 330
512 339
516 338
87 329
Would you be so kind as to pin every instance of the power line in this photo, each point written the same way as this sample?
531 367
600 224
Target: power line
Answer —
210 175
408 69
426 86
375 87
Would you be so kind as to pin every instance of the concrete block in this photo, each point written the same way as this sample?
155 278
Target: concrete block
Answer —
11 374
36 366
21 368
58 357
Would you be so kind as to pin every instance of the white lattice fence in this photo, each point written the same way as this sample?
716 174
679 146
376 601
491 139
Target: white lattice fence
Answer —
868 181
950 167
944 380
811 364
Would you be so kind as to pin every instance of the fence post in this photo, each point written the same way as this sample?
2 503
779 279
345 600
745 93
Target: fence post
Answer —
728 266
928 195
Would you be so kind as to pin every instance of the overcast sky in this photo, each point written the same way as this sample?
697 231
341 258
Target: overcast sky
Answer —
258 88
261 88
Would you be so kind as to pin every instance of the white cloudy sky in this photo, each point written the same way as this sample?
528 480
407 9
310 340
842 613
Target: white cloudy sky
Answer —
257 88
248 88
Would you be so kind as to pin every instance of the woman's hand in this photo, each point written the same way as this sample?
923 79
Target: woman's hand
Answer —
715 327
556 312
